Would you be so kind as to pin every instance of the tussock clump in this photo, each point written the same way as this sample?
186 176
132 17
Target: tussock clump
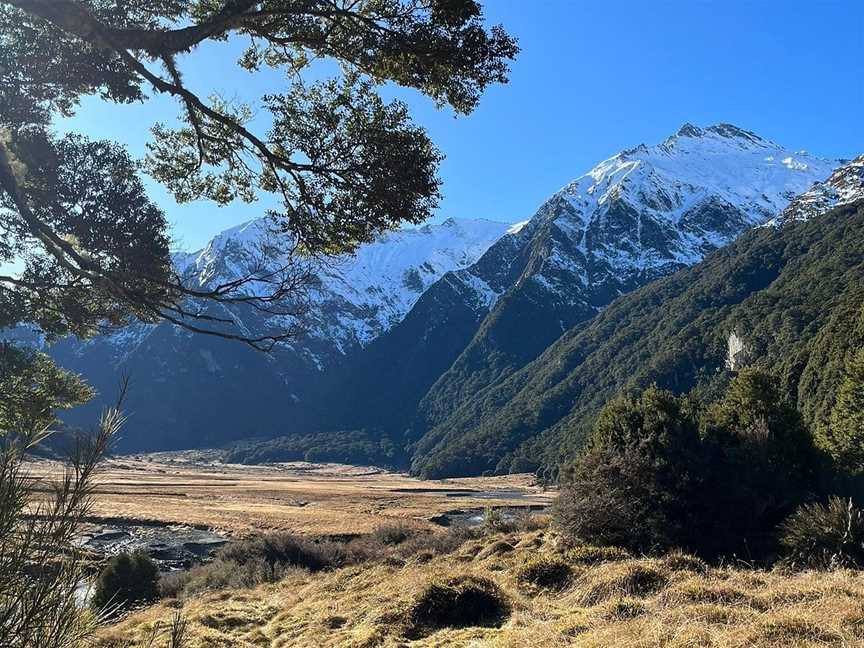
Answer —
630 579
624 608
544 572
700 591
424 545
818 536
286 549
590 555
458 602
394 533
789 631
679 561
495 549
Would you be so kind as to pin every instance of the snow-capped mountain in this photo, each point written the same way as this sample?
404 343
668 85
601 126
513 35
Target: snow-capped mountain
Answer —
186 384
400 334
349 300
636 216
649 209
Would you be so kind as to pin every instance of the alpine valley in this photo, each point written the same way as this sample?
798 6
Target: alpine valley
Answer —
474 346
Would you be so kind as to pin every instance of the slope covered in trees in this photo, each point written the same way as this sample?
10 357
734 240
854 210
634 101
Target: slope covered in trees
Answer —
792 295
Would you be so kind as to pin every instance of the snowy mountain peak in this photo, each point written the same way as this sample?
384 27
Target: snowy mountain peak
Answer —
651 209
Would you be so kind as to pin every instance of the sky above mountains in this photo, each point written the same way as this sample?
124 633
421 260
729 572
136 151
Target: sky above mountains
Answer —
592 79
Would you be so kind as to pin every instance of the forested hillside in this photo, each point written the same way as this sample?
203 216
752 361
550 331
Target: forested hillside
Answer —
792 296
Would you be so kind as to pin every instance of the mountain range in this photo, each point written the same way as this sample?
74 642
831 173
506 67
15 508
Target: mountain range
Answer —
435 337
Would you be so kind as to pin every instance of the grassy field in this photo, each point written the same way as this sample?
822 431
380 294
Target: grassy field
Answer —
671 602
616 601
313 499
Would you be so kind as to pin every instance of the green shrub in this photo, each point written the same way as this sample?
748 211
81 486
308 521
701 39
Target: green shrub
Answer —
458 602
633 485
819 536
544 572
127 579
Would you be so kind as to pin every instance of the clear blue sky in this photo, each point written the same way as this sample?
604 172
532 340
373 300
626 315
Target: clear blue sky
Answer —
593 78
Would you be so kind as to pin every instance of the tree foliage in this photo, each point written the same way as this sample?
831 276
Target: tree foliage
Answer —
32 388
128 579
659 473
342 164
842 436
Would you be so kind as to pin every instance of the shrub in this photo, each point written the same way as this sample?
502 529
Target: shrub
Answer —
545 572
127 579
222 574
822 536
459 602
437 543
633 486
286 549
393 533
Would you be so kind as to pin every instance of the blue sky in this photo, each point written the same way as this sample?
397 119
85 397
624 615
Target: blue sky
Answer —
593 78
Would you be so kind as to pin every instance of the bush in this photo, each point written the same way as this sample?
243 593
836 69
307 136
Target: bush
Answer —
222 574
459 602
658 474
127 579
286 549
393 533
819 536
545 572
633 486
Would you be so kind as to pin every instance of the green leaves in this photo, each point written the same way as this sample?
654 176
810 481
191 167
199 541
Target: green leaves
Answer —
32 388
843 434
344 165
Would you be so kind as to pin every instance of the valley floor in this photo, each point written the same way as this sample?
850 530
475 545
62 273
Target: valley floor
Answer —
671 602
195 489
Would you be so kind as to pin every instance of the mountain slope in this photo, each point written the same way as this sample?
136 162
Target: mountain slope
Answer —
192 390
637 216
791 295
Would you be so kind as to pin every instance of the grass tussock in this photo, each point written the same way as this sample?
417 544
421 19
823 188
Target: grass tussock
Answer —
515 598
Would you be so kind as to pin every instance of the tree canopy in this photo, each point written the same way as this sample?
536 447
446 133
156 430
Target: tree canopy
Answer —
343 164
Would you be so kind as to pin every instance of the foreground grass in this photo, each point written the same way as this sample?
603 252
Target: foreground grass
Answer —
593 600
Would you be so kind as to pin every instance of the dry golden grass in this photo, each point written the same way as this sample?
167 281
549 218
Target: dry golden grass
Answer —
314 499
625 603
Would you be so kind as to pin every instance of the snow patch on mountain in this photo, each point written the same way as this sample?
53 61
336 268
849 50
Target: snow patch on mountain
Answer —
845 185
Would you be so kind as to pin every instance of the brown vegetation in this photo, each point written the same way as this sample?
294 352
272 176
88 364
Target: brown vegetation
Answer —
618 601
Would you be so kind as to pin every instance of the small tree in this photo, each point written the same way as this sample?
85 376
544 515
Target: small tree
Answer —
127 579
634 484
843 436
